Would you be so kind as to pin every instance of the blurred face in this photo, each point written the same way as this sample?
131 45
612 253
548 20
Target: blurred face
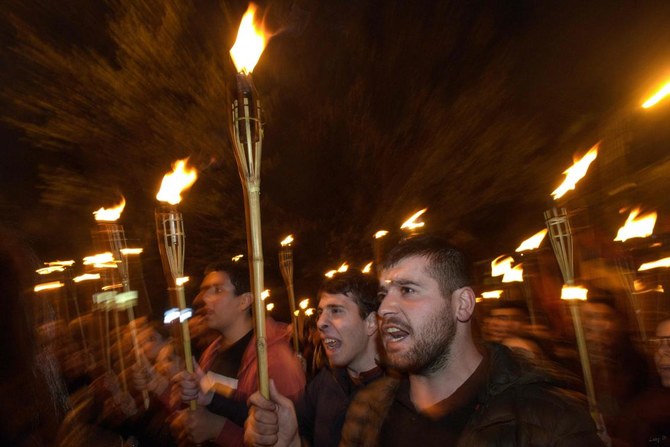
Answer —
504 323
662 352
344 334
168 363
417 324
221 307
601 323
151 343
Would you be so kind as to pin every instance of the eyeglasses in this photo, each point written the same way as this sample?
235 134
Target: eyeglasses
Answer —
659 342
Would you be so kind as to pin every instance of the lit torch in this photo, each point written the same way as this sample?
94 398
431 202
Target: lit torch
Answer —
412 225
247 132
171 243
286 267
116 237
575 173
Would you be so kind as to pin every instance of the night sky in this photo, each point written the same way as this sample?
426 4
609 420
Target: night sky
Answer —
374 109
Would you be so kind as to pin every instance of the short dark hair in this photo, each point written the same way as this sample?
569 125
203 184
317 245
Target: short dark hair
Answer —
237 272
446 264
362 288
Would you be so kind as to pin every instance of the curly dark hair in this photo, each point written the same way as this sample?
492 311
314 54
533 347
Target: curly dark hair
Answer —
362 288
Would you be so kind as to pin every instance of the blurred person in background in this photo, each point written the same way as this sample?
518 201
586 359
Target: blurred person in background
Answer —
506 319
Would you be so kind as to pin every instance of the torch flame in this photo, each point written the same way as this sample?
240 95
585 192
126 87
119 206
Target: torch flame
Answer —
532 242
576 172
500 265
86 277
660 263
343 268
380 234
515 274
330 273
492 294
304 304
100 258
60 263
367 268
309 312
411 223
265 294
287 241
131 251
658 96
111 214
48 286
236 258
574 293
637 227
49 270
250 42
175 182
270 306
182 280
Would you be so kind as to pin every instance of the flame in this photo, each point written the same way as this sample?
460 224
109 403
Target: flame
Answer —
660 263
500 265
48 286
250 42
576 172
86 277
574 293
330 273
492 294
181 281
270 306
304 304
380 234
112 287
637 227
48 270
411 223
175 182
59 263
265 294
287 241
515 274
131 251
296 312
343 268
309 312
100 258
367 268
111 214
657 97
532 242
236 258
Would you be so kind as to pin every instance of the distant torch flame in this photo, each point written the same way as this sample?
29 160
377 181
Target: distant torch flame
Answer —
86 277
265 294
492 294
270 306
532 242
175 182
287 241
635 226
661 263
48 286
574 293
48 270
330 273
575 173
131 251
100 258
343 268
367 268
380 234
236 258
309 312
249 44
500 265
515 274
411 223
61 263
304 304
111 214
181 281
658 96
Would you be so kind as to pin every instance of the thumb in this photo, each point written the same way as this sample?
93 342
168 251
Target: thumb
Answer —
199 373
277 397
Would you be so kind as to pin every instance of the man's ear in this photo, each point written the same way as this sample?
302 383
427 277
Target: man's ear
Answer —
246 300
371 323
463 301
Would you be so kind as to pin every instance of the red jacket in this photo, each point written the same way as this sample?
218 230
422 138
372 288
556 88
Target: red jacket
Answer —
283 367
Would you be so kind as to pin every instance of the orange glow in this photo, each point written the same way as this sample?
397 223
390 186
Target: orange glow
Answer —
175 182
131 251
492 294
60 263
48 286
111 214
657 97
181 281
330 273
287 241
48 270
661 263
343 268
533 242
515 274
304 304
635 226
270 306
380 234
576 172
250 42
236 258
411 223
309 312
574 293
86 277
500 265
265 294
367 268
100 258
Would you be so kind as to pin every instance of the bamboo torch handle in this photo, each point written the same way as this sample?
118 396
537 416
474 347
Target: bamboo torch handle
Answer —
186 338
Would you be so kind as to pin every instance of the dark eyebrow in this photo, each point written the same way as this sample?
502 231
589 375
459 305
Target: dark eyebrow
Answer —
402 282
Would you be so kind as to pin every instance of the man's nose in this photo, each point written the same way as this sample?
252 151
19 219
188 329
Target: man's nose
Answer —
388 305
322 321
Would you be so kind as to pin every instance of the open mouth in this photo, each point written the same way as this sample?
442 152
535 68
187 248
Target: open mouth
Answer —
394 334
331 343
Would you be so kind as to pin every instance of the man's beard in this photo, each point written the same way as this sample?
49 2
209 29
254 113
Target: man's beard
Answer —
432 346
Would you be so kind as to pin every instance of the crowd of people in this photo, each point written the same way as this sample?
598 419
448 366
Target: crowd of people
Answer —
409 358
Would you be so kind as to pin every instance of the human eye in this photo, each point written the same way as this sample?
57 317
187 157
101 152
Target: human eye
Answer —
405 290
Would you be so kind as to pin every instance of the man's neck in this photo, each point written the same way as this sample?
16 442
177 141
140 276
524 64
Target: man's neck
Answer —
427 390
366 362
235 332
